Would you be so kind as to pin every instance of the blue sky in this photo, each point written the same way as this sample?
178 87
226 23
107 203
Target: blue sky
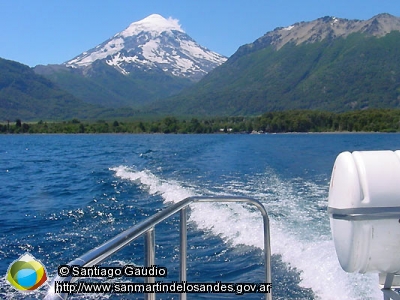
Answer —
53 31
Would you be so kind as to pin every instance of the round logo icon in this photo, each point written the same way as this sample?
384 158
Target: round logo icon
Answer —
26 273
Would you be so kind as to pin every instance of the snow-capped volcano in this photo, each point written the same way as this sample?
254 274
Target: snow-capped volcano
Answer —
153 43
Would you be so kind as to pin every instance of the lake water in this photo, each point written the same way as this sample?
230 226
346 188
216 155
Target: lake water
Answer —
62 195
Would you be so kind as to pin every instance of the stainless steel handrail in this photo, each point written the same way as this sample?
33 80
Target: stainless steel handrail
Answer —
100 253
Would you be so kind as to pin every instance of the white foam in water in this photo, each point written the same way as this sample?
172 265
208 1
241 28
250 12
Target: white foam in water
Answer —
313 256
170 191
217 218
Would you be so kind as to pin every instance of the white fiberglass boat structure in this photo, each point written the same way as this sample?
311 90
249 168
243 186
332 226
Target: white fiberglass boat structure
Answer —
364 209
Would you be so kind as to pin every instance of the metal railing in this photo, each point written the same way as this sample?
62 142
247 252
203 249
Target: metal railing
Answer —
100 253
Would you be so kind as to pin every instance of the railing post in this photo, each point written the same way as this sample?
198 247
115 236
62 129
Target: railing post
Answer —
183 248
149 257
267 255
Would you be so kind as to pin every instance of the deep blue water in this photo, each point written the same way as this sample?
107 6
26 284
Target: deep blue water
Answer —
62 195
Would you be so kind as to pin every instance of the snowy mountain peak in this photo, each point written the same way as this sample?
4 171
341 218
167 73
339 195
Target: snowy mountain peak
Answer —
154 43
154 24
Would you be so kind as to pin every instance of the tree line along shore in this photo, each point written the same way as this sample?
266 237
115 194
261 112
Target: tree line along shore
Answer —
369 120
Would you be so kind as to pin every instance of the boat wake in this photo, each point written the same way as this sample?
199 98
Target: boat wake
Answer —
299 224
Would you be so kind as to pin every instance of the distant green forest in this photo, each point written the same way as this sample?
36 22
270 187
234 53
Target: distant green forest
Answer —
371 120
338 75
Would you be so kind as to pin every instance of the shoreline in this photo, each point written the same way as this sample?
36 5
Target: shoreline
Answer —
193 133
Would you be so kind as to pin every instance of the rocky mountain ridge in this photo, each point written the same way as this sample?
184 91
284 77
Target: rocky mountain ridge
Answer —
327 64
328 27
